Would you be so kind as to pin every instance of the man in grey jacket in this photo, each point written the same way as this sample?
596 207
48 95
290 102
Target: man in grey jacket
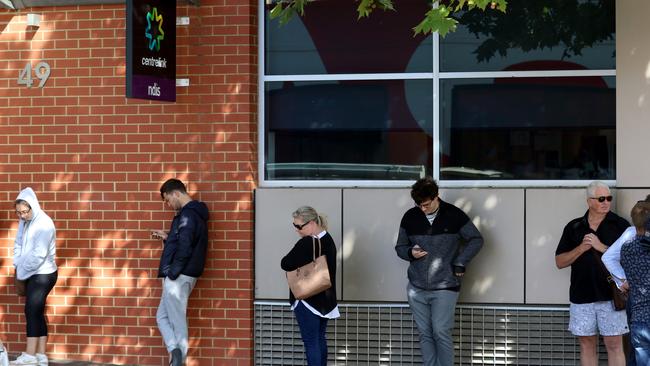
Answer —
430 237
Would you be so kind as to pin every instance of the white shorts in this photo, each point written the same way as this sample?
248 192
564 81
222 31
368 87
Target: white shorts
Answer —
585 319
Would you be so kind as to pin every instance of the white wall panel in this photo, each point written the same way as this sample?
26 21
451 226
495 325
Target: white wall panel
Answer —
547 212
496 275
372 270
516 265
632 93
275 236
626 199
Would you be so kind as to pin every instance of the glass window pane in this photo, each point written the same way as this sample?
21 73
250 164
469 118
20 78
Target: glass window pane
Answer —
528 128
348 130
533 35
330 39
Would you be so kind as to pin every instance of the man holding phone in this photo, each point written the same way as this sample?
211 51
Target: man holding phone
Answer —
430 237
181 263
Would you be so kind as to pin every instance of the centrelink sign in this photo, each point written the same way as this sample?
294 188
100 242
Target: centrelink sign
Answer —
151 49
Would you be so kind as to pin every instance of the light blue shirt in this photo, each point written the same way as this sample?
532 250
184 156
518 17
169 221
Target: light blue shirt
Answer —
612 257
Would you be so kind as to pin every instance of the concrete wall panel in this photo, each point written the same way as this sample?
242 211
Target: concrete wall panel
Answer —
496 275
632 92
372 270
274 235
547 212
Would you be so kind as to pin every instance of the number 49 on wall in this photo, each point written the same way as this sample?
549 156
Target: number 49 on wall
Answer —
42 72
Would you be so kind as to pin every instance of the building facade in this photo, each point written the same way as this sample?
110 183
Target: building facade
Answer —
97 159
327 110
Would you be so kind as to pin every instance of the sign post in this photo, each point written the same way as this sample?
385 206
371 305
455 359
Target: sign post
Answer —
151 49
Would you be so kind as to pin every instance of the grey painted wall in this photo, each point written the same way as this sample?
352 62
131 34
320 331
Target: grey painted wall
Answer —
632 93
521 228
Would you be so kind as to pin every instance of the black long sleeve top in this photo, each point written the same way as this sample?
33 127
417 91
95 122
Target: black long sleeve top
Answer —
301 254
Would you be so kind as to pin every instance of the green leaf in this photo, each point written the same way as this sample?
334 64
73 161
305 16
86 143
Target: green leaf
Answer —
365 8
285 10
437 20
276 11
386 5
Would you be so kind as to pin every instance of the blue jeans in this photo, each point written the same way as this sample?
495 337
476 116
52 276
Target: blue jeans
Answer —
640 336
629 348
312 330
433 312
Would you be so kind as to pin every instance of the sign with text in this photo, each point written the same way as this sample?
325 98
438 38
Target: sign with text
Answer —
151 49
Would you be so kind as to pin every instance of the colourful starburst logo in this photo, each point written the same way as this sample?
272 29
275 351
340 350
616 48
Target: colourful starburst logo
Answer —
153 36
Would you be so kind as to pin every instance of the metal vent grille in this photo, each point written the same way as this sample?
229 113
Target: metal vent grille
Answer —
385 334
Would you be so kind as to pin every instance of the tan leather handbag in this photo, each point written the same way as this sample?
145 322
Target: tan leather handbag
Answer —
312 278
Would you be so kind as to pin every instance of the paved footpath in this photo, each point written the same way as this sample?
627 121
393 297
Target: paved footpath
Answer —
77 363
69 363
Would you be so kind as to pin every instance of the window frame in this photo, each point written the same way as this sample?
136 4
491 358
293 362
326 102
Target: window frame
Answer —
435 76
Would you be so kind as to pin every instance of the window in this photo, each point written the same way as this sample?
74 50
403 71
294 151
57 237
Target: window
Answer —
348 130
500 101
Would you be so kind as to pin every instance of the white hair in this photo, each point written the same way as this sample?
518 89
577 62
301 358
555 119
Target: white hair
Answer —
591 188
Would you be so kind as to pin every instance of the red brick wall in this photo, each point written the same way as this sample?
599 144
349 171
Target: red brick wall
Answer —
96 161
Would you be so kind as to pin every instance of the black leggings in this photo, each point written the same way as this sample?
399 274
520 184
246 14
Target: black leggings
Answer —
36 290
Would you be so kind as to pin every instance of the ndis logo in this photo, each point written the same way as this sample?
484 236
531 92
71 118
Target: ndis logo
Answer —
153 90
154 31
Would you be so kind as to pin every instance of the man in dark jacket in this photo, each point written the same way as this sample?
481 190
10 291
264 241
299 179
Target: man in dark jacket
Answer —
181 264
430 237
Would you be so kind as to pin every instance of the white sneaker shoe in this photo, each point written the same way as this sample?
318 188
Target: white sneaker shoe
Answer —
42 359
25 359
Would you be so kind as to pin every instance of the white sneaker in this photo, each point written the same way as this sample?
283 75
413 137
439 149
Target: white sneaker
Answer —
42 359
25 359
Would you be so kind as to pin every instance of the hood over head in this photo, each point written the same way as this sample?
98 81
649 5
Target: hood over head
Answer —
28 195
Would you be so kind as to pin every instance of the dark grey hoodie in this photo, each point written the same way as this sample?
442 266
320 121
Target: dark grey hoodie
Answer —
451 241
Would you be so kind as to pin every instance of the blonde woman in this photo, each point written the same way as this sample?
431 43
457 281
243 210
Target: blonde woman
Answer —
313 313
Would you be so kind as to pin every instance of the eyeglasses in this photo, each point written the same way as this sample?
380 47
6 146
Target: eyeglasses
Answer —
602 199
23 212
299 227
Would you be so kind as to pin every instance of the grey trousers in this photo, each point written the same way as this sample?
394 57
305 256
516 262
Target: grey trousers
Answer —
433 312
172 312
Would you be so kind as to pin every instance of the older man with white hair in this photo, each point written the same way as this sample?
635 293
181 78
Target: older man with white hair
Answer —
591 311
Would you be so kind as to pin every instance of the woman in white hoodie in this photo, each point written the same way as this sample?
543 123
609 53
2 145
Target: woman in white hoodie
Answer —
34 252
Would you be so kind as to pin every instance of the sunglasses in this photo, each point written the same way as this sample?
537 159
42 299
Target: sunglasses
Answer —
299 227
602 199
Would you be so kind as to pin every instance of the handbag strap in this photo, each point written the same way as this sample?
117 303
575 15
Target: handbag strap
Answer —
313 242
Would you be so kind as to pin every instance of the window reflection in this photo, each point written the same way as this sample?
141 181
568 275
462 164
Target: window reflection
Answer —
559 128
582 32
528 128
348 130
331 39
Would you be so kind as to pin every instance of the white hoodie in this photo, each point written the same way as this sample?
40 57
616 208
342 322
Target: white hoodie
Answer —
35 244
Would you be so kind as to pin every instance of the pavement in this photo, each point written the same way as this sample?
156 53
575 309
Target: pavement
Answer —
77 363
53 362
